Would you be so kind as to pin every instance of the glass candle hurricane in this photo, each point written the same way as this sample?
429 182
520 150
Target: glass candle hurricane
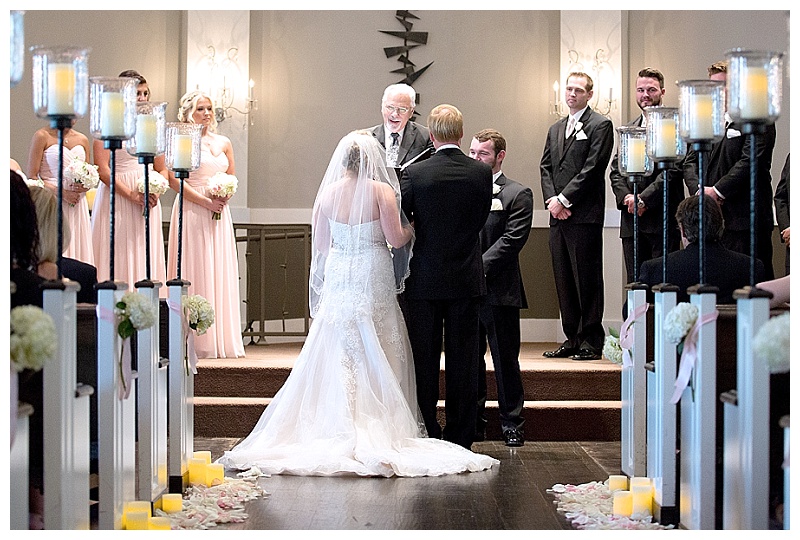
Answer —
755 85
702 110
113 102
150 137
60 81
183 146
633 159
664 142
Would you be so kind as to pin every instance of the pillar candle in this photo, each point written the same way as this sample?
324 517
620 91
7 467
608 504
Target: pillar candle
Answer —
135 506
623 503
146 134
636 155
617 481
182 152
112 115
137 521
160 523
754 97
701 123
640 481
203 454
171 503
665 134
60 89
642 499
215 474
197 471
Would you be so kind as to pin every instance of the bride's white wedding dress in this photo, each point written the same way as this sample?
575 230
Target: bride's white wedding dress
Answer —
345 407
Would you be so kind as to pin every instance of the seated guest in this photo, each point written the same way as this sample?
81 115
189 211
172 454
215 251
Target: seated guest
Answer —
724 269
75 270
779 287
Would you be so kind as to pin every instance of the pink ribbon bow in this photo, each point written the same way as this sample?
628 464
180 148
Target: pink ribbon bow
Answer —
626 334
190 351
689 355
126 375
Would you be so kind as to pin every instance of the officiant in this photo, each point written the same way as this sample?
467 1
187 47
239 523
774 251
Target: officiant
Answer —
403 140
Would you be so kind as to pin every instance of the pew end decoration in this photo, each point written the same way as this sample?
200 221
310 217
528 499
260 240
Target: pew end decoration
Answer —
222 186
199 316
134 312
611 347
678 322
33 338
771 344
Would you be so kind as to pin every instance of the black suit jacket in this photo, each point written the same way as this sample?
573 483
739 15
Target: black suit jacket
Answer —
85 274
724 268
782 198
416 139
651 191
576 167
502 238
728 170
447 197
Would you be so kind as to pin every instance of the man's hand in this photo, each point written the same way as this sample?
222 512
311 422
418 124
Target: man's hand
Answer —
557 210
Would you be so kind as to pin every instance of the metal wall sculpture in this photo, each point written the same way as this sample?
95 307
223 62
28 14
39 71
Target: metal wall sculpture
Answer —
411 40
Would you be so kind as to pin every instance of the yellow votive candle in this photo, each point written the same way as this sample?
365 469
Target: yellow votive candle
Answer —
203 454
642 499
160 523
665 136
197 471
215 474
112 114
636 155
182 152
146 134
138 520
171 503
60 89
754 98
623 503
617 482
701 123
135 506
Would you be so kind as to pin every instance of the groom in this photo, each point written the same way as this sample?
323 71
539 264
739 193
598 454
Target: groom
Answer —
447 197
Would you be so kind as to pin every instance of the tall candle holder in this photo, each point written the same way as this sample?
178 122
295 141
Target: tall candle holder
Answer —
148 141
702 123
634 163
60 94
665 147
755 91
17 46
182 156
113 120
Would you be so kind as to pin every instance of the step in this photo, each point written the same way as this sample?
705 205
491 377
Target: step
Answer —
545 420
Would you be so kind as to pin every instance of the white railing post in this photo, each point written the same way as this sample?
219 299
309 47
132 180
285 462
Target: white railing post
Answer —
181 392
18 500
634 389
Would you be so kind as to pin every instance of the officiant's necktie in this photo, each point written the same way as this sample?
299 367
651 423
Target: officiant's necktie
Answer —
570 127
391 152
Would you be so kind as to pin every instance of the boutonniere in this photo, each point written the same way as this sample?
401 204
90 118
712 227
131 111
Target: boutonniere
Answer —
496 189
578 126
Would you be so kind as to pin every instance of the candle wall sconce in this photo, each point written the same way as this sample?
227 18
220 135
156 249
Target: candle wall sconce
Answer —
17 46
603 100
225 76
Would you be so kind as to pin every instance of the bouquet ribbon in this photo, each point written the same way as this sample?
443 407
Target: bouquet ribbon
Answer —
125 357
190 350
689 355
626 334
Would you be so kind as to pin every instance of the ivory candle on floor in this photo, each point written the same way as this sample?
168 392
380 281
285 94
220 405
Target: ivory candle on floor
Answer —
204 454
160 523
138 520
617 482
215 474
623 503
642 499
197 471
135 506
171 503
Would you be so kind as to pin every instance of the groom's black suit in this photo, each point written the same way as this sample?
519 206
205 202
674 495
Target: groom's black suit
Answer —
447 197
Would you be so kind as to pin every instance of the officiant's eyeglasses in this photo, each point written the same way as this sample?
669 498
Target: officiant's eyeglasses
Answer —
398 110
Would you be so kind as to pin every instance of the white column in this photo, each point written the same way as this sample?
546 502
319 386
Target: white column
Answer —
181 393
634 393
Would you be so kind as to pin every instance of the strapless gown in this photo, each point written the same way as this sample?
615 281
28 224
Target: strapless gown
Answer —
129 232
209 262
349 405
80 244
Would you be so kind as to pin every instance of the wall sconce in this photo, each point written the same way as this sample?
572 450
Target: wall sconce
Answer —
603 101
222 73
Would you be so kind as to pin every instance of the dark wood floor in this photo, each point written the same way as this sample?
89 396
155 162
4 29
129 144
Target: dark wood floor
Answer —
512 495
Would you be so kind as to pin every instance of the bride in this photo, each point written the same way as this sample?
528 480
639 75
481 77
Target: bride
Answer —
349 405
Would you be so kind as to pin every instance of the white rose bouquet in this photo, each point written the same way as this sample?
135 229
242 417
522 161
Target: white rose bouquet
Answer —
611 347
771 343
79 172
33 338
134 312
222 186
678 322
157 184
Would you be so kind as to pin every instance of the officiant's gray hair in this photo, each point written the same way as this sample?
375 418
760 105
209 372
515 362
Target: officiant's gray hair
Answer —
400 88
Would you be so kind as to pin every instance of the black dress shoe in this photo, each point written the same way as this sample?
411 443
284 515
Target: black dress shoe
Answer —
586 354
561 352
513 437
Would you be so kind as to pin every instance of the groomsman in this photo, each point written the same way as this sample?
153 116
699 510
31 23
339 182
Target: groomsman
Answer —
506 230
573 169
402 139
447 197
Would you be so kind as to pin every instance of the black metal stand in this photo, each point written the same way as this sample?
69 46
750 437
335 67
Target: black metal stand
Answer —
701 147
664 167
635 180
147 160
181 175
752 130
60 123
113 145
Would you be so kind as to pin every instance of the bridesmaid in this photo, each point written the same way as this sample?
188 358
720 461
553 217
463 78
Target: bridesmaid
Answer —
209 259
43 163
129 230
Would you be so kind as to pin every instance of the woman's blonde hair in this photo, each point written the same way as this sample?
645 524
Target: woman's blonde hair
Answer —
47 220
188 105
